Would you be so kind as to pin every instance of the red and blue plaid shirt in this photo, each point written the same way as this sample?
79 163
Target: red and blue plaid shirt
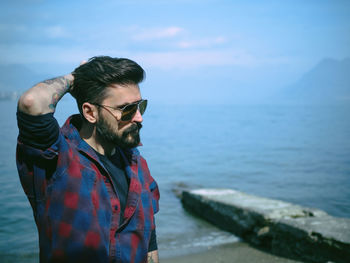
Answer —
76 206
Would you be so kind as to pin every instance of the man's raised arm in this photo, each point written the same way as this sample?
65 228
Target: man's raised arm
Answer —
44 96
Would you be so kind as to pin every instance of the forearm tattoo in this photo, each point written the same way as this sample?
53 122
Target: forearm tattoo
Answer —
60 86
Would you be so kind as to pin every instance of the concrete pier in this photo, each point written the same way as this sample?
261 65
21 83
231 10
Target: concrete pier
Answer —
283 228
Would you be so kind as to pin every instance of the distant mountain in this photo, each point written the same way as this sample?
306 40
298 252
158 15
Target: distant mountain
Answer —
327 83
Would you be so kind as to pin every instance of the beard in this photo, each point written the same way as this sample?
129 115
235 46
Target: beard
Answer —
126 139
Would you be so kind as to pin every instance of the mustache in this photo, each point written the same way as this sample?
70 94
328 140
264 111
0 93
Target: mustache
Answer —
134 128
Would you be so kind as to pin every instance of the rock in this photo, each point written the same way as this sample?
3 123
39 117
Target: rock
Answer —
285 229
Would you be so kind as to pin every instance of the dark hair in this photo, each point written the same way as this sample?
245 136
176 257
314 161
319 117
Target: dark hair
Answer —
92 78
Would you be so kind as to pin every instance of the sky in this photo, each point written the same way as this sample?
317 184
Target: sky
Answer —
193 51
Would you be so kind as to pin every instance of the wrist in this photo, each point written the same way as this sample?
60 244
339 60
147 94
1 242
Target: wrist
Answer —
69 82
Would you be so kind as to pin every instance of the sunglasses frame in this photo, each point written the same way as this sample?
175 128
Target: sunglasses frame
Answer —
122 108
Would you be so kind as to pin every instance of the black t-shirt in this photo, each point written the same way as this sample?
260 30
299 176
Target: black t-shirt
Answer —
42 131
116 169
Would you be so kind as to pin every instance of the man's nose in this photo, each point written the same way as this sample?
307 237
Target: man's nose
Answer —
137 117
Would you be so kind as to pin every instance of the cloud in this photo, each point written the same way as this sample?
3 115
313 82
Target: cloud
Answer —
11 32
12 27
201 43
190 59
56 32
21 33
155 33
34 53
165 60
194 59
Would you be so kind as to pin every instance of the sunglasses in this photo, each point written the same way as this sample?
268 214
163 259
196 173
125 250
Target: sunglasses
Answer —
128 111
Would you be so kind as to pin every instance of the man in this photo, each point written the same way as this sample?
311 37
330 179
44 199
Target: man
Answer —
91 192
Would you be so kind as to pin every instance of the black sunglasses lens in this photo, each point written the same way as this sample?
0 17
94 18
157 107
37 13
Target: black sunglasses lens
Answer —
130 110
143 106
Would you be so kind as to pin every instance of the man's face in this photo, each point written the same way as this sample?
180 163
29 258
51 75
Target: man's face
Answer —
124 134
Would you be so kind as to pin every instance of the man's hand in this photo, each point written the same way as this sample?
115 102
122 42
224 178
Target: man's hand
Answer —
152 257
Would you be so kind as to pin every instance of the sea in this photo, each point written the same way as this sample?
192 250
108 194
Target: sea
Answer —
295 153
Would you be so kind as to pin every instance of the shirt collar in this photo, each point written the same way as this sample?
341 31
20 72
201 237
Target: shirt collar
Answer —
70 130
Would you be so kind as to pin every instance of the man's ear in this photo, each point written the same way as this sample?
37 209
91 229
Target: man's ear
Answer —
90 112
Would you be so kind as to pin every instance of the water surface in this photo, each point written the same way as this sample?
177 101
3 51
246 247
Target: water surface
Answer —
299 154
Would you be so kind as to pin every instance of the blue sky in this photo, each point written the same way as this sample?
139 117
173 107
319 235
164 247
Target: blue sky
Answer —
192 51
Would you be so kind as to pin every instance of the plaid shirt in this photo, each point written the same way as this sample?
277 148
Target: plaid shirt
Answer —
75 204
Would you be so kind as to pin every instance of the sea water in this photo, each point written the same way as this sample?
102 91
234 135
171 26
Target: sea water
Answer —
299 154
